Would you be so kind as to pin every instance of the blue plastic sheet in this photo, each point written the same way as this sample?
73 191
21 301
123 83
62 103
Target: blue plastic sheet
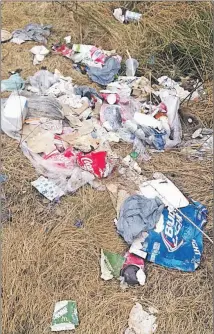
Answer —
180 244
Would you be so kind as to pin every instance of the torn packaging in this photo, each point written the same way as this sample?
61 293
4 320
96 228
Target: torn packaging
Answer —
179 244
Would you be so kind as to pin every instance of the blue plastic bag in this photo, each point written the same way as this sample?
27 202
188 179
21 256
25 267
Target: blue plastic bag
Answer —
180 244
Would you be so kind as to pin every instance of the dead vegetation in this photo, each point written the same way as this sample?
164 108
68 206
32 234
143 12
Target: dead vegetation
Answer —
45 257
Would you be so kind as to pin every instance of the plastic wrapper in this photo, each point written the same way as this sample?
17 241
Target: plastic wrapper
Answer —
42 80
110 117
96 163
78 179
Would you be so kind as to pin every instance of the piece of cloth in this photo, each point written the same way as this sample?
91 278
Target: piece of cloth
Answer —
138 214
180 244
106 74
32 32
39 54
14 82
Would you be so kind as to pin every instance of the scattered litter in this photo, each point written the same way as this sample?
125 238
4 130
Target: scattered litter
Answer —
39 54
65 316
32 32
68 132
5 36
15 82
111 264
47 188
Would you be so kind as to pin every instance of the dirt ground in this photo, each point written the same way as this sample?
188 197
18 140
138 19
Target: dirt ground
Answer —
45 258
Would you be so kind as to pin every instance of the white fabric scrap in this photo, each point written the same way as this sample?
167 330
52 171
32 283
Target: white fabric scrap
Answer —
39 53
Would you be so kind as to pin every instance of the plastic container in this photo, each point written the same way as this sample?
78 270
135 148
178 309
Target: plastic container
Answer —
131 67
132 16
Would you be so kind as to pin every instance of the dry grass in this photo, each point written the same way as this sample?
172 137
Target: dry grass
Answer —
45 257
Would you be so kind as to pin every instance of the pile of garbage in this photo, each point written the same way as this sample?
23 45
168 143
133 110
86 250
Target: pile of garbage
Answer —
66 132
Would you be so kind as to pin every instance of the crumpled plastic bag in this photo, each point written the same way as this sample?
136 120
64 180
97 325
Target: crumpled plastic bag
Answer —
110 117
106 74
79 178
39 53
15 82
32 32
42 80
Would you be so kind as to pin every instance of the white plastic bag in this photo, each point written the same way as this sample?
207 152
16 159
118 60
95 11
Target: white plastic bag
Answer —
13 115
